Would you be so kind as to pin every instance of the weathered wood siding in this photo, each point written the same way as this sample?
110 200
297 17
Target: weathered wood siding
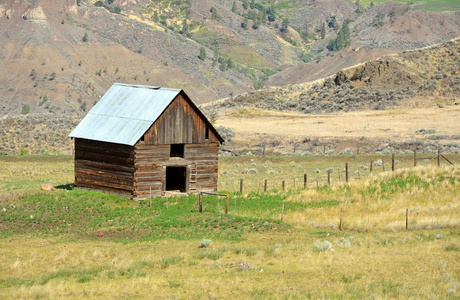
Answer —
204 158
150 162
179 124
104 166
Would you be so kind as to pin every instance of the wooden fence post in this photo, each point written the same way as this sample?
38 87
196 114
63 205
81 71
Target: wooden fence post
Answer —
393 162
372 163
407 218
241 186
340 224
226 205
439 157
304 180
415 157
329 177
200 203
346 172
265 186
283 184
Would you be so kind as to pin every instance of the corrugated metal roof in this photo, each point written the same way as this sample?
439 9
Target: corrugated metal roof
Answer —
124 113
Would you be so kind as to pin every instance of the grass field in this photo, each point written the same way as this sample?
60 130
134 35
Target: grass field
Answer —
86 245
353 128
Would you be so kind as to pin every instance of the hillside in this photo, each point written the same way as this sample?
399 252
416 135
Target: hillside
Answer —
388 81
402 87
395 104
59 57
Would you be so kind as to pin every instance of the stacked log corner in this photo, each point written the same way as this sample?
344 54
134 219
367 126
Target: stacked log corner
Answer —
104 166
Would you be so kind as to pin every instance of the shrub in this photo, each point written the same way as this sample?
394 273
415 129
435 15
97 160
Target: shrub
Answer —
202 54
24 152
25 109
204 243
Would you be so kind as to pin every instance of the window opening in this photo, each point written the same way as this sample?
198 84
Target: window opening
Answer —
177 150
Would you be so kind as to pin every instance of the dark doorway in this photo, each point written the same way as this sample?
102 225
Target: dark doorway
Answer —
176 179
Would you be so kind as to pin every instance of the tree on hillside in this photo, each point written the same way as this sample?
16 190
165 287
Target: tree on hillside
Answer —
305 33
215 58
155 17
214 14
342 40
284 25
323 31
271 13
332 22
184 29
234 7
358 6
85 37
245 25
202 54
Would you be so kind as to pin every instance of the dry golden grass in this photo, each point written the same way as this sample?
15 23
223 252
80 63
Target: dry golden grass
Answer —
289 265
374 257
369 206
252 125
21 174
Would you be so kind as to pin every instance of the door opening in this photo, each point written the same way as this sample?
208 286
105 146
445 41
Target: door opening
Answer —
176 179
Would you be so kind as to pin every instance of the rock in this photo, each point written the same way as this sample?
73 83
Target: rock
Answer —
341 78
47 187
35 15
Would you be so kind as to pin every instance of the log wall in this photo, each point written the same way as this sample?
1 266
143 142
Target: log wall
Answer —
104 166
204 157
150 162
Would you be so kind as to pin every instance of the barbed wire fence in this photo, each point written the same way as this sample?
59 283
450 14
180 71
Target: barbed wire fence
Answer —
337 174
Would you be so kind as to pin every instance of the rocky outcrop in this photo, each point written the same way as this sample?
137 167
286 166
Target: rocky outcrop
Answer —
36 15
72 6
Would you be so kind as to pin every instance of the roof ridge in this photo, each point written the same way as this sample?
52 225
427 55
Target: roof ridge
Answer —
151 87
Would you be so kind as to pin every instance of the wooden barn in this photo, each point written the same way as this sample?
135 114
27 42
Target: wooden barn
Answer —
140 140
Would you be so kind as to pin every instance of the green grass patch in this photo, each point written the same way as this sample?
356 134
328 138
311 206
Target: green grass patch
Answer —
93 215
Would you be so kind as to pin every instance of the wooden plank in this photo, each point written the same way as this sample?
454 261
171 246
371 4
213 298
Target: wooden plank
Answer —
103 148
88 164
148 173
146 185
150 147
106 174
92 183
104 178
84 155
